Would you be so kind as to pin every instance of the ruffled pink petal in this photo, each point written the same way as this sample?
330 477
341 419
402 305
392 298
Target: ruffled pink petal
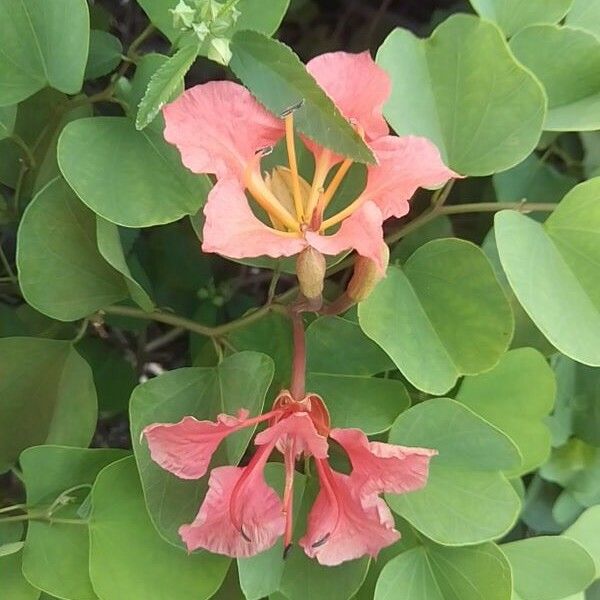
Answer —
231 228
379 467
218 127
361 231
404 164
342 524
185 448
261 515
357 86
298 429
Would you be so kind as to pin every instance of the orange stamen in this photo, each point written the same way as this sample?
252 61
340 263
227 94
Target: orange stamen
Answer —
321 170
293 164
288 492
335 182
343 214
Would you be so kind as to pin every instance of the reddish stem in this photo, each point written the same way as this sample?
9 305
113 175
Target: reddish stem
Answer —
297 384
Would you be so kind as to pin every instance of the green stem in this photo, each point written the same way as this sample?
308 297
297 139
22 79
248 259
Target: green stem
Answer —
14 507
177 321
6 265
25 148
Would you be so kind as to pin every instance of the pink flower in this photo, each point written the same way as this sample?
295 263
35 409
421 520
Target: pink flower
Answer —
220 128
242 516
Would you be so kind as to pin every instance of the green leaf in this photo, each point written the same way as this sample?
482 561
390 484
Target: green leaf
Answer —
440 227
56 558
240 381
567 62
14 584
562 270
255 14
8 118
548 568
44 42
128 559
110 245
586 531
275 75
73 280
533 181
516 396
165 84
467 499
585 15
148 184
442 316
114 375
462 89
46 396
105 54
578 400
513 15
432 572
261 575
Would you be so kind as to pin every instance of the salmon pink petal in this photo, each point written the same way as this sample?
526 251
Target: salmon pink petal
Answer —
231 228
361 231
185 448
357 86
404 164
261 515
298 429
218 127
344 525
379 467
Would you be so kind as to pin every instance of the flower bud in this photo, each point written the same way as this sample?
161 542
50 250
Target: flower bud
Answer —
310 268
367 274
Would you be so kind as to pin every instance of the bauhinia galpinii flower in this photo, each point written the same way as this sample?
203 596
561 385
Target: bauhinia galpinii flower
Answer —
242 516
220 129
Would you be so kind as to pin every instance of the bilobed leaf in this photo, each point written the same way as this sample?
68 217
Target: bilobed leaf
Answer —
516 396
165 84
14 584
148 184
105 54
108 236
432 572
585 15
441 316
462 89
128 559
514 15
559 283
56 555
549 568
8 117
44 42
73 280
467 499
240 381
586 531
47 395
567 62
275 75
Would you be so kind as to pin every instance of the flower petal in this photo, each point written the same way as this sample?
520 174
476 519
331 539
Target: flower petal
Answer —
299 428
344 525
357 86
218 127
361 231
261 515
231 228
185 448
379 467
404 164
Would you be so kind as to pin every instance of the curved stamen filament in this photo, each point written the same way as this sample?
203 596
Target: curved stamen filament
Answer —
293 164
321 170
265 197
343 214
324 471
288 492
335 183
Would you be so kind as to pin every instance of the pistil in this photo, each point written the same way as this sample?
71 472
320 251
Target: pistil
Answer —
293 164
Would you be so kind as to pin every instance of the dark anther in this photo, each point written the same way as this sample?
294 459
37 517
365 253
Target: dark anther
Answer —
244 534
321 541
286 551
291 109
265 151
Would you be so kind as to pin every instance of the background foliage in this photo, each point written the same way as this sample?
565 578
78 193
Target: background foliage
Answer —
482 342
